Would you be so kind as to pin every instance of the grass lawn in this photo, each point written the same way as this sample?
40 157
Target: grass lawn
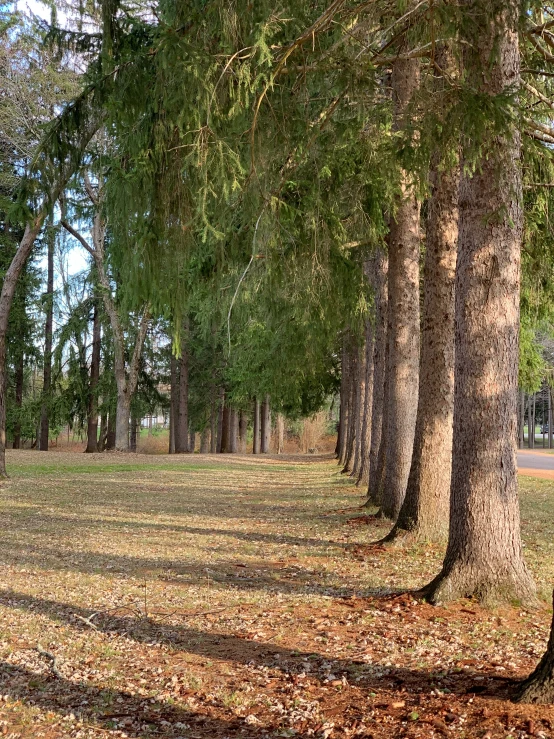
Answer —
210 597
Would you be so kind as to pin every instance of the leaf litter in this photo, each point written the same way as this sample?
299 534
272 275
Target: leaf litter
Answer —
226 597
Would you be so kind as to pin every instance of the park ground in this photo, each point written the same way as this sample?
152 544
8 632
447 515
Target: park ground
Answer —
208 597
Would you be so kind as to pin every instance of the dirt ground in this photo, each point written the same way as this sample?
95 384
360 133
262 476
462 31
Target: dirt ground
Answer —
209 597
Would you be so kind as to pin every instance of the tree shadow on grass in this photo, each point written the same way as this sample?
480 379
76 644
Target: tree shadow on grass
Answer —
88 524
240 649
109 708
284 577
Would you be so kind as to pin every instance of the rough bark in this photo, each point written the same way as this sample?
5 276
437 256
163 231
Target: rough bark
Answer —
265 425
122 414
257 427
539 686
424 513
484 555
403 292
92 424
48 335
19 378
378 420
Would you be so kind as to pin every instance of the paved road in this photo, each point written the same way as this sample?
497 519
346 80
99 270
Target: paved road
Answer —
535 460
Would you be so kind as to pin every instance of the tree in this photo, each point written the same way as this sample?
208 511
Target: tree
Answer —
424 512
378 407
44 432
47 169
126 374
180 404
403 306
484 556
92 422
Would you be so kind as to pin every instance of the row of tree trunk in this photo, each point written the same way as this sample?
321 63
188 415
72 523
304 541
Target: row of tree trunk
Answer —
528 406
446 455
448 379
227 429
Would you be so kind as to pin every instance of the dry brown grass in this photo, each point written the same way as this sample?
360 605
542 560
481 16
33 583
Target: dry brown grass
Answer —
210 597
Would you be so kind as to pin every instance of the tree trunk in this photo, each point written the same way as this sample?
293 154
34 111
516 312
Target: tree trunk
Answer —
233 431
243 431
192 442
257 424
213 422
220 425
280 433
110 437
225 430
205 441
352 406
48 330
361 371
484 555
92 425
378 410
424 513
365 430
539 686
122 420
403 292
173 401
19 379
182 417
126 380
265 425
344 402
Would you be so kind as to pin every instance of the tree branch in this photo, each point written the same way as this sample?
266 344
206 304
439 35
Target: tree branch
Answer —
84 243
